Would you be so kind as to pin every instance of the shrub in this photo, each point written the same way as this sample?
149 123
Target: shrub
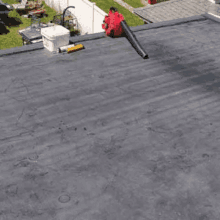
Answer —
14 14
14 18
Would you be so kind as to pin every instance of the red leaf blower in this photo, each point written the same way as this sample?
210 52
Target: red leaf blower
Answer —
115 26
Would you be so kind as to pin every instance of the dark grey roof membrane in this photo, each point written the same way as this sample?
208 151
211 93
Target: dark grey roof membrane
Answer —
150 147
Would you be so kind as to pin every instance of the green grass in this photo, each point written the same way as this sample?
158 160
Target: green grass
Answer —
13 38
134 3
51 12
10 2
131 19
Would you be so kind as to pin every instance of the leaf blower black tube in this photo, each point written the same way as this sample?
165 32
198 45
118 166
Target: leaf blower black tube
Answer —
132 39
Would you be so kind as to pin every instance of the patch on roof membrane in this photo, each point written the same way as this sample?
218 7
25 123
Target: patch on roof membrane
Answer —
64 198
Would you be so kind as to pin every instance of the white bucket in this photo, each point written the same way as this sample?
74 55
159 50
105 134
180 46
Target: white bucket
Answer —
55 37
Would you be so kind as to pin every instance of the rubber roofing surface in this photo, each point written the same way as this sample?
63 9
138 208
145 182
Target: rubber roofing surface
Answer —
103 134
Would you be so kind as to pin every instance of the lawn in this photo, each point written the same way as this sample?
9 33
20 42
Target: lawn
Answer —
13 38
131 19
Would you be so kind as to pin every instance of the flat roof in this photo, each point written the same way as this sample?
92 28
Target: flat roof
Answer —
104 134
174 9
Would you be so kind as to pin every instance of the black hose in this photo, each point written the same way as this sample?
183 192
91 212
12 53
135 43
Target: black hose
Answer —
64 13
132 39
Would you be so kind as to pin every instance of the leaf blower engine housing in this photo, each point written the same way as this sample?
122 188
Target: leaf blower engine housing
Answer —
112 23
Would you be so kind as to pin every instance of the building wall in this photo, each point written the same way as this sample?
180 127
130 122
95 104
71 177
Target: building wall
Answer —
89 16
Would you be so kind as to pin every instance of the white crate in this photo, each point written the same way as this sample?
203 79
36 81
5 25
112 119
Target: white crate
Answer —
55 37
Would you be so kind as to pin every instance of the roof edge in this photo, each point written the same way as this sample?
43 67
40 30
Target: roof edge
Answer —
142 27
25 48
211 16
38 46
168 23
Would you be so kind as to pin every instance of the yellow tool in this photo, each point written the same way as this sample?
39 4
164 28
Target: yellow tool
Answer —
75 48
71 48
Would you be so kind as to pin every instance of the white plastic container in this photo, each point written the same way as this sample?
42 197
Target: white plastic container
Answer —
65 48
55 37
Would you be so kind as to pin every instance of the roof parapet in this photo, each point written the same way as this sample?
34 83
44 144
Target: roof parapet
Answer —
78 39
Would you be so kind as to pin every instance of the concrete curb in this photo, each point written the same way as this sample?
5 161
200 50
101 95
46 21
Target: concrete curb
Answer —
96 36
